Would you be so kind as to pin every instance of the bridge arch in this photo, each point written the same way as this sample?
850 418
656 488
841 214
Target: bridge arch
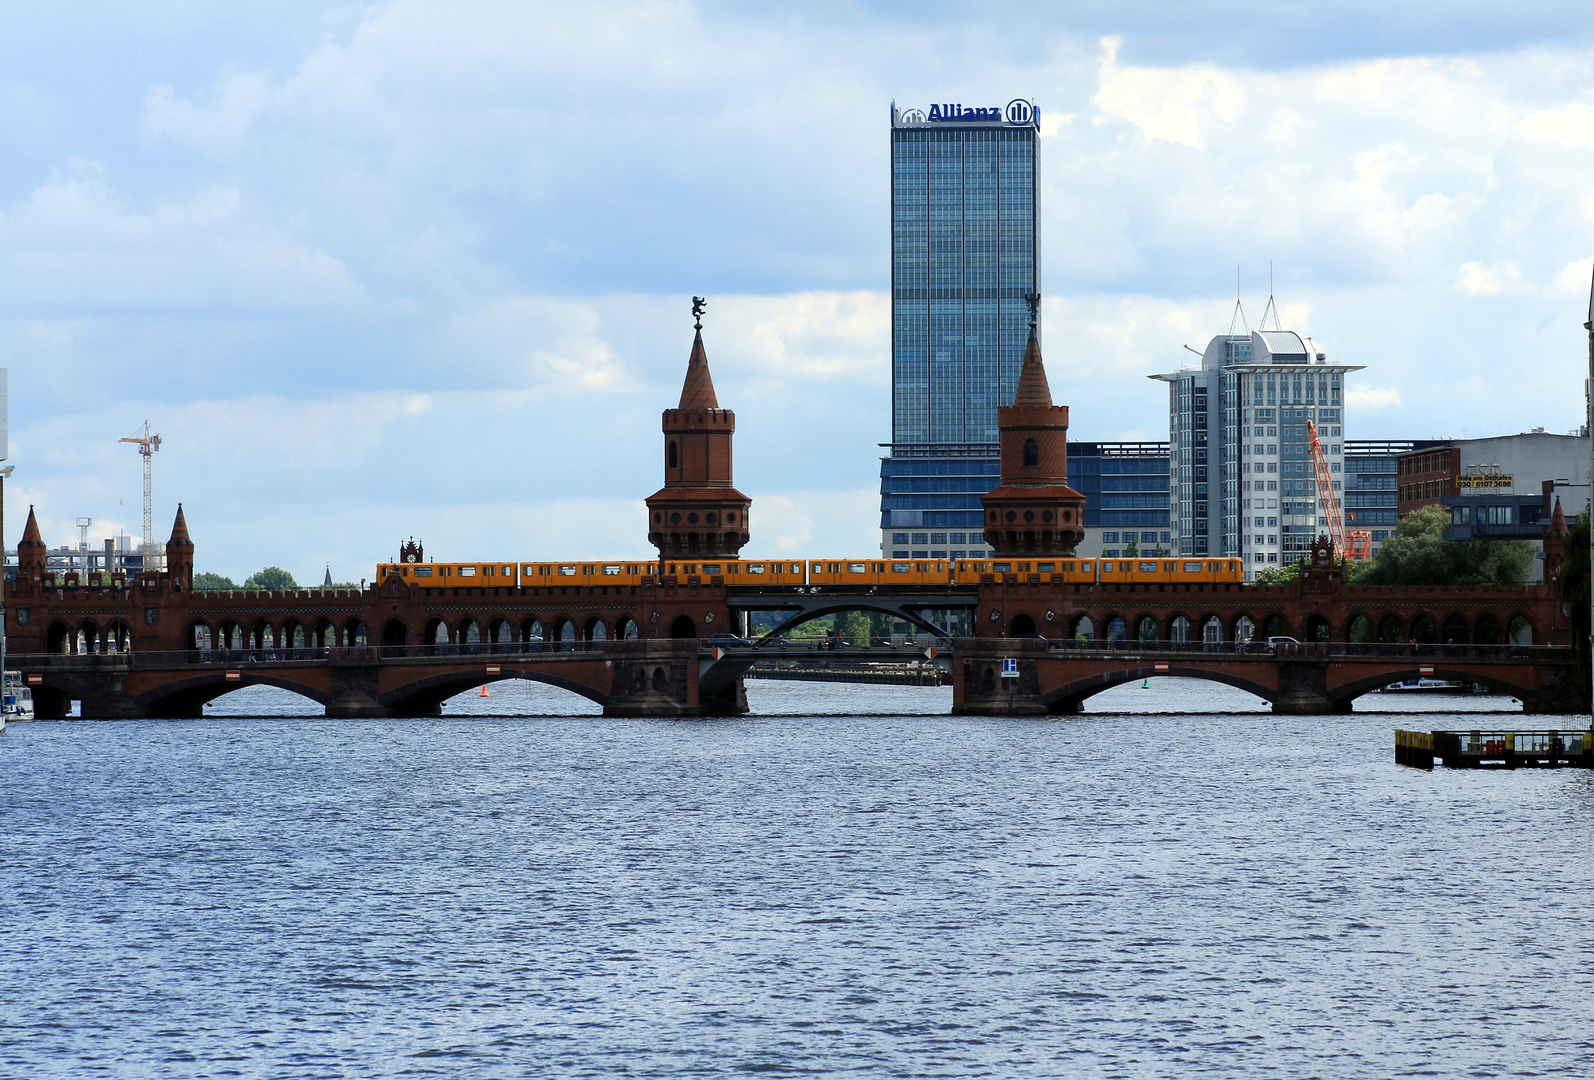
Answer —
88 636
1318 627
1486 631
1070 697
118 635
1083 626
1454 631
57 637
1022 624
395 634
1519 631
186 698
437 633
1424 629
1347 692
1179 629
1391 630
819 607
197 636
425 696
1359 629
531 631
594 630
1147 632
684 627
626 629
1277 624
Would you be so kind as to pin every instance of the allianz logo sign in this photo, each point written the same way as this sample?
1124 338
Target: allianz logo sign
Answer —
1018 111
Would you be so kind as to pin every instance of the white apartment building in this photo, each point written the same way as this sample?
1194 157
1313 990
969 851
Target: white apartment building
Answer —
1241 478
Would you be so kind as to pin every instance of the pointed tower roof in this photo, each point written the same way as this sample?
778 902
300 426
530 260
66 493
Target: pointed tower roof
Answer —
179 529
698 390
30 534
1033 389
328 580
1558 519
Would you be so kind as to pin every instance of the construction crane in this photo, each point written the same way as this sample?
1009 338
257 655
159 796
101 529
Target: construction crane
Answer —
1357 547
147 444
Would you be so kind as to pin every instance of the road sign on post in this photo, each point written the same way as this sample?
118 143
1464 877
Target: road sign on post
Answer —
1010 667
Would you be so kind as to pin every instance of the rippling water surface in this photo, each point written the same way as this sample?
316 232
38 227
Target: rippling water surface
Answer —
844 881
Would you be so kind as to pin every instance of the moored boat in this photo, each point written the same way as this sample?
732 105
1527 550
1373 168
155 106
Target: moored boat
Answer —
16 704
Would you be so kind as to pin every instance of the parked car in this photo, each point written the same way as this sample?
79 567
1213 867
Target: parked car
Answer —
728 641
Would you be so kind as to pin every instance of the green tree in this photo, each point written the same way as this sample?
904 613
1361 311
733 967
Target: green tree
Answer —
1418 554
270 579
1132 548
1278 575
854 627
208 582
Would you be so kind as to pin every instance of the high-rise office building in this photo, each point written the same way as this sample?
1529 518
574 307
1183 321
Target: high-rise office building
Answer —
965 252
1241 478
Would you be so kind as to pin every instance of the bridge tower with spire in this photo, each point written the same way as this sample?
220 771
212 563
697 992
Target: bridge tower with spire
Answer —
698 512
1033 511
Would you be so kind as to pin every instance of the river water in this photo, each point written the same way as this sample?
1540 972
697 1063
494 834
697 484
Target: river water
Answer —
1175 884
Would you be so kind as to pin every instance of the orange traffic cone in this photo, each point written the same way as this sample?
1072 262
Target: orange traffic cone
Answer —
483 693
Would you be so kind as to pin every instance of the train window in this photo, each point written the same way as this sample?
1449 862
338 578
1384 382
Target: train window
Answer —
900 567
1046 568
489 571
1023 567
711 568
1068 568
611 571
1168 566
467 571
509 571
1085 567
857 568
444 571
1148 568
423 571
1002 567
567 571
819 568
1192 568
755 568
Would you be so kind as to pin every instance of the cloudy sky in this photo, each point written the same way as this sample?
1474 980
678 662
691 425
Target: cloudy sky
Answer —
376 270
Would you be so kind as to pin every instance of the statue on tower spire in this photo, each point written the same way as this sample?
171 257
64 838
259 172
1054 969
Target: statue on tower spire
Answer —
698 304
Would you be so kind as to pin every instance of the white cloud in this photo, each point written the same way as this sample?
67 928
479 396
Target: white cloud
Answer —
218 129
1475 279
1172 104
1370 398
1566 125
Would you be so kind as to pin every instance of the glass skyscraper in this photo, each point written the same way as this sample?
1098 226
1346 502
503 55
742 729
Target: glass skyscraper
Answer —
965 252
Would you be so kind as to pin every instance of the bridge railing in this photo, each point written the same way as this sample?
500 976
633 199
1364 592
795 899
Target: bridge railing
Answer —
1313 649
326 654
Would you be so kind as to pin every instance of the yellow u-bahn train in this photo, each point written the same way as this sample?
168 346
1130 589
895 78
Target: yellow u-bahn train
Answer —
848 572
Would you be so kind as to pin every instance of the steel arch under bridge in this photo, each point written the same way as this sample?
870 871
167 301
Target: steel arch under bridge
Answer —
807 602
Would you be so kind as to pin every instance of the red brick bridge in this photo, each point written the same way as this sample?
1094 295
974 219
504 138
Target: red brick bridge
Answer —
151 645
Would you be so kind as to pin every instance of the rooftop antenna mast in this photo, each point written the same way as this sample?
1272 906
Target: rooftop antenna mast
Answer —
1276 324
1239 310
147 444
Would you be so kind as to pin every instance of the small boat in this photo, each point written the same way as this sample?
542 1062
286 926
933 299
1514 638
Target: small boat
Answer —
18 700
1425 686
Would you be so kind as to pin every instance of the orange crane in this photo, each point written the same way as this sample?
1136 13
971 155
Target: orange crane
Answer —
1359 542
